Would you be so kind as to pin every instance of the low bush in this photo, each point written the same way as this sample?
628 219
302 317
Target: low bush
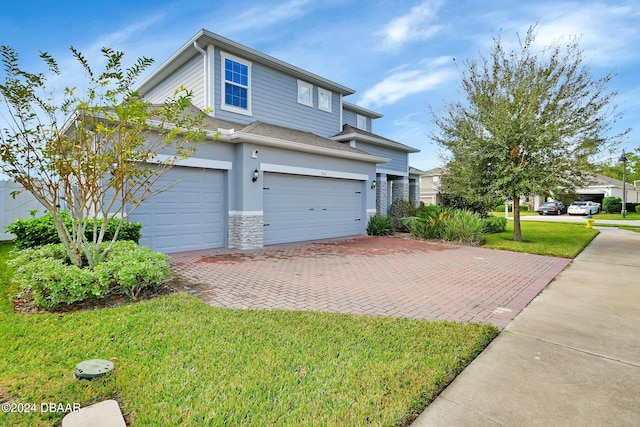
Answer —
400 209
380 225
494 224
500 208
447 224
638 209
612 204
47 275
34 232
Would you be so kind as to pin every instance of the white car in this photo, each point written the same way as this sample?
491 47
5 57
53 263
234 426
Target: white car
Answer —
583 208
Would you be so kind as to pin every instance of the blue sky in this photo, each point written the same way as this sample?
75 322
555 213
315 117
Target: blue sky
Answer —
397 54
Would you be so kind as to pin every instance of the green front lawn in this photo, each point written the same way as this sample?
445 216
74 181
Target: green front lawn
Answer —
629 217
179 361
561 239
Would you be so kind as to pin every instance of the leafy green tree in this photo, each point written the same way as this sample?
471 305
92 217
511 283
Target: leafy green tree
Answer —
531 121
613 167
105 159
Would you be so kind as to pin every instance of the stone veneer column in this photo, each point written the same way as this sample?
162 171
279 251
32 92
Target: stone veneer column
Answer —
400 189
246 230
381 194
414 191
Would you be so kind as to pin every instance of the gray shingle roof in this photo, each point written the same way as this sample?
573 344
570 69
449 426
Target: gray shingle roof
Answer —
348 130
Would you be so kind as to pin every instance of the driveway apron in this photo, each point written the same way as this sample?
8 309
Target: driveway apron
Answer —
383 276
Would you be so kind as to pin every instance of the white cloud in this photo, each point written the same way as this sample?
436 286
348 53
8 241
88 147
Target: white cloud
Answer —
608 33
265 15
415 25
403 82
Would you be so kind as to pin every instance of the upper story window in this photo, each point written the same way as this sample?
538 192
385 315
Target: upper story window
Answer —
324 100
361 122
305 93
236 84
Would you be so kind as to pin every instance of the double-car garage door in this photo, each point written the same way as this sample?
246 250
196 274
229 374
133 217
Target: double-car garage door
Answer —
189 215
298 208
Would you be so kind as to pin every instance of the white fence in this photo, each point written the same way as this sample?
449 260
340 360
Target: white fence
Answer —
12 209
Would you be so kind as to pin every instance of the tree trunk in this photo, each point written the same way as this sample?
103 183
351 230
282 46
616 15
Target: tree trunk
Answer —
517 231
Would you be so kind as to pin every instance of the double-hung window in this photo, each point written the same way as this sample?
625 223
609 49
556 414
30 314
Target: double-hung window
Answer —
305 93
236 84
361 122
324 100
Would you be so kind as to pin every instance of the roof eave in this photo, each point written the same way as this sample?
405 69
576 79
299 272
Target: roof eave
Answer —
238 137
379 141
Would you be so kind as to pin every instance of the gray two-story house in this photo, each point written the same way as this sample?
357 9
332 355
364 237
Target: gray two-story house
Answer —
293 161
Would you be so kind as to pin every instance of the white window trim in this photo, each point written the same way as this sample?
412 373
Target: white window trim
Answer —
223 105
309 86
360 117
321 92
296 170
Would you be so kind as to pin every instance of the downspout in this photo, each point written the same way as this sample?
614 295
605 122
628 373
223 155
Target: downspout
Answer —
205 78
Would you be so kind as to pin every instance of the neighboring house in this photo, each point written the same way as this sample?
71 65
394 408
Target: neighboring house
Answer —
599 187
293 161
430 186
14 208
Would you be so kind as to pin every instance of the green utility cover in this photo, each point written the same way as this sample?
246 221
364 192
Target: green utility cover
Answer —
94 368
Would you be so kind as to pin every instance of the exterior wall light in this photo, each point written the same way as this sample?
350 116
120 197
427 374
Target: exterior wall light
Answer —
256 175
373 184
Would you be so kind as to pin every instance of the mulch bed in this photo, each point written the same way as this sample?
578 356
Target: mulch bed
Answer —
24 304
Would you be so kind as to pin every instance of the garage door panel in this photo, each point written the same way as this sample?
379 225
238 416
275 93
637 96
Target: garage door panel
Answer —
298 208
187 215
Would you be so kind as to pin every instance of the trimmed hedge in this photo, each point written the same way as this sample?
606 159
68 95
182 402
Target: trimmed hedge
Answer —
612 204
500 208
34 232
494 224
45 272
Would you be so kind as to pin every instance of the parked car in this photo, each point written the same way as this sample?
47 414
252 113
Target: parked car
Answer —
584 208
552 208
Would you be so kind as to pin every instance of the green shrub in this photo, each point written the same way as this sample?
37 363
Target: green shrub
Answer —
380 225
51 280
46 273
499 208
464 227
638 209
34 232
447 224
524 208
130 268
612 204
400 209
494 224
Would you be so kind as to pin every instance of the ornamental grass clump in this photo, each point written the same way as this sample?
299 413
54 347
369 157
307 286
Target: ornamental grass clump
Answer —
454 225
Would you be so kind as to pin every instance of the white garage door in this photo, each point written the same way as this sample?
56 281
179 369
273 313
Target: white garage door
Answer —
189 216
298 208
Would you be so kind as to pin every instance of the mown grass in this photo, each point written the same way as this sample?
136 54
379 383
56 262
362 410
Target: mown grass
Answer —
559 239
179 361
631 216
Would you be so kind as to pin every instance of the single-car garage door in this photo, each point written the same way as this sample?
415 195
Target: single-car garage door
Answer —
187 216
298 208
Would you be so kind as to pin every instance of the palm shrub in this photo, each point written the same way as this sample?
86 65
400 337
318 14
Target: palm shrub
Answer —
380 225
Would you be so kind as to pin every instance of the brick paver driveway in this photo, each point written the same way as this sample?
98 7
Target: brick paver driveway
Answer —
386 276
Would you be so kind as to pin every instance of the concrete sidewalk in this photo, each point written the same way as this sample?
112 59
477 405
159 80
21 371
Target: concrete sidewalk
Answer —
571 358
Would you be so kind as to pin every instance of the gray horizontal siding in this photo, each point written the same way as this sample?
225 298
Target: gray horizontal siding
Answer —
351 118
275 101
399 159
190 75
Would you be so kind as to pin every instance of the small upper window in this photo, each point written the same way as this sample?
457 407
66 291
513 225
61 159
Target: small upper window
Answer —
236 84
324 100
361 122
305 93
